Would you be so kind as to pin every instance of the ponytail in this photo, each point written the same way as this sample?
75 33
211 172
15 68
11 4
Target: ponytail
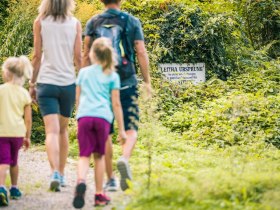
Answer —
103 53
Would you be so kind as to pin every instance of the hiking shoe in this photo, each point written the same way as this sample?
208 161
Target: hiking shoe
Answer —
111 185
125 173
79 199
15 193
55 182
101 200
4 201
63 182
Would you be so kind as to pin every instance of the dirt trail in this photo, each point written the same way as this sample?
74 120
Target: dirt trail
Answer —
34 180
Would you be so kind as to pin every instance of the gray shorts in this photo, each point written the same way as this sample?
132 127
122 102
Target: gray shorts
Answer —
55 99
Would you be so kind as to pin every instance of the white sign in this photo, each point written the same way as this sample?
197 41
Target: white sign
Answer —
181 73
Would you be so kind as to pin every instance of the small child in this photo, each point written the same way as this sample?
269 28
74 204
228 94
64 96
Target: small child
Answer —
97 92
15 130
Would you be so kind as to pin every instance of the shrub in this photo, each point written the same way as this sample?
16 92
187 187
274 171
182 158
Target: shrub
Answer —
188 32
243 110
262 21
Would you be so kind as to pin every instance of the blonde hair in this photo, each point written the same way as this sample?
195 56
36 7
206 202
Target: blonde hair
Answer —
103 53
58 9
17 69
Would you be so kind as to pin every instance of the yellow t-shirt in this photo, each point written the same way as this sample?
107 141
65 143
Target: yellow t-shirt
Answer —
13 99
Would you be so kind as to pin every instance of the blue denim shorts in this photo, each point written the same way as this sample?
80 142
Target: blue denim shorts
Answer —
55 99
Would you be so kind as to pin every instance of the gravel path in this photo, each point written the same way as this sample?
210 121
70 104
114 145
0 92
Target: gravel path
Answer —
34 180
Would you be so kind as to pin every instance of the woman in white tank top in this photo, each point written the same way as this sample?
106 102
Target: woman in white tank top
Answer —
57 47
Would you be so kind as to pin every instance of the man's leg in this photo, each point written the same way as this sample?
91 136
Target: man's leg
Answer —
129 144
109 158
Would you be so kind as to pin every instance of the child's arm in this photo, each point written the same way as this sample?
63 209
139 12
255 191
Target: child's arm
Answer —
78 93
118 112
28 124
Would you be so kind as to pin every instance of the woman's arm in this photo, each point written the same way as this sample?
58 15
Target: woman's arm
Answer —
78 93
78 47
37 56
28 125
118 112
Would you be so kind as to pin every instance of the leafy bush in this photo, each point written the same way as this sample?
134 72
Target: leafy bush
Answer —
262 20
188 32
3 10
243 110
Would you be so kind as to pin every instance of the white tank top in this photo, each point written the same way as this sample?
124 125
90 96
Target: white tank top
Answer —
58 39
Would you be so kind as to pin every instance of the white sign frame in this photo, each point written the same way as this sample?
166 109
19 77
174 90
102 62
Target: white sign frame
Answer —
182 73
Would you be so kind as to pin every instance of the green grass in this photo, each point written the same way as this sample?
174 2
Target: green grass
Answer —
188 177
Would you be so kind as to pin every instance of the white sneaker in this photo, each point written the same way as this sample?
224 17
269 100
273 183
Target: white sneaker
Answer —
63 182
124 169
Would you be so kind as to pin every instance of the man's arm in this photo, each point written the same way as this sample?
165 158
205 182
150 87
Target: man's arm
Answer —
144 64
87 45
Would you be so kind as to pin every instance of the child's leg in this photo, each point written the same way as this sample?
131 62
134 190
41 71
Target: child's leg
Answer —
16 144
3 172
83 167
5 158
99 170
14 171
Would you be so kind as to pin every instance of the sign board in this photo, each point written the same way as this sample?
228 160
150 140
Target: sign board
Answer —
181 73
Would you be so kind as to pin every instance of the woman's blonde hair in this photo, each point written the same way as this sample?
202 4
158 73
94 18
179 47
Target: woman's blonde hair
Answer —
17 69
103 53
59 9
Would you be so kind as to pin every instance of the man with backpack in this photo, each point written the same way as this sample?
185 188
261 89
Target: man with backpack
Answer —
125 32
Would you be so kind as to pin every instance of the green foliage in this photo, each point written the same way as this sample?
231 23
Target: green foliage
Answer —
171 172
262 20
188 32
243 110
3 10
16 37
185 177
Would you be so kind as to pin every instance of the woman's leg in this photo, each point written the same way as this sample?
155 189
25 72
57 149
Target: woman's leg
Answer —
63 143
52 140
99 170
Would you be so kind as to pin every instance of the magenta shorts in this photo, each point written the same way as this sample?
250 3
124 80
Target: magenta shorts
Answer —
92 135
9 148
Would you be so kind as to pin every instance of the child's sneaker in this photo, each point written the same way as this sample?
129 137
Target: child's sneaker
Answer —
111 185
63 182
101 200
79 199
4 201
55 182
125 172
15 193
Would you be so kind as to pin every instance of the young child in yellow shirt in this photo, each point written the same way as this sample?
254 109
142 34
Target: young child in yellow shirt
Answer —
15 121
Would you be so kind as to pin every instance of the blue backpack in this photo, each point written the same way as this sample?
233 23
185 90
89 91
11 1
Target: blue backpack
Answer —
114 28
